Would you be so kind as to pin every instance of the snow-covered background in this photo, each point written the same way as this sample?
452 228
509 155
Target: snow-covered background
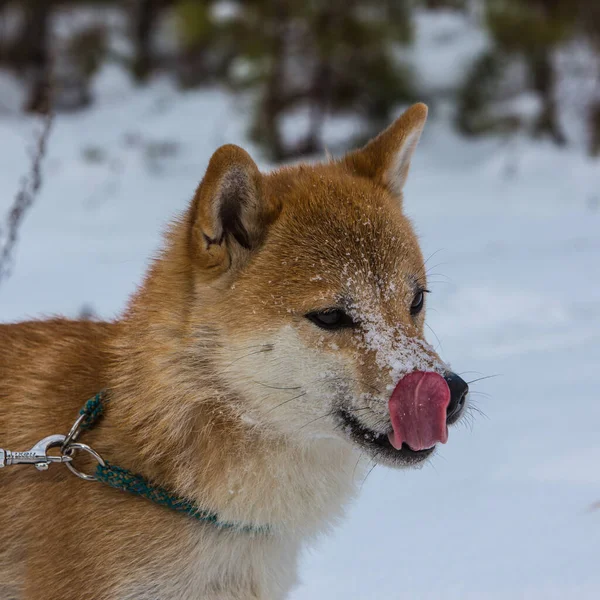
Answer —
512 229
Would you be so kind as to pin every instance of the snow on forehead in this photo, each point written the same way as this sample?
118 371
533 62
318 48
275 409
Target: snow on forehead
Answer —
370 239
364 229
379 331
365 252
379 265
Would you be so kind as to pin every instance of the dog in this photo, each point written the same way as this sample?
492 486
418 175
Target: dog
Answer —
275 347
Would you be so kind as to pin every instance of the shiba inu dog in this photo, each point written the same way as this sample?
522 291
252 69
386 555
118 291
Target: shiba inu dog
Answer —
275 343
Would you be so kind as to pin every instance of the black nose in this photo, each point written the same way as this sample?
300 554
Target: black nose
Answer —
458 396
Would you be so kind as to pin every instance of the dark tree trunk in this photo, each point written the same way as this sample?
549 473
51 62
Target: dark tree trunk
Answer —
322 83
435 4
274 99
542 74
35 49
594 120
145 15
319 108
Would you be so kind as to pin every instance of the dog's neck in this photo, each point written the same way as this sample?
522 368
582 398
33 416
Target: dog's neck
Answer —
174 422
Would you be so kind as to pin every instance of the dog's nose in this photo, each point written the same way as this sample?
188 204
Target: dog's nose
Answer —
458 396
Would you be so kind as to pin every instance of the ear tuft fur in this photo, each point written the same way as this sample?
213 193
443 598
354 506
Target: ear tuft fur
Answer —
229 215
238 193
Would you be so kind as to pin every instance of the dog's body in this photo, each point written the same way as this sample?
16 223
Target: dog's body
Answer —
66 538
223 391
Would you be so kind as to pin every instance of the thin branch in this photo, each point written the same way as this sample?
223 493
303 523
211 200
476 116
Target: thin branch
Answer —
30 187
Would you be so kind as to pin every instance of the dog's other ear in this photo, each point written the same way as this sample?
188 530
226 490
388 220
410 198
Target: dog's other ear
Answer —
386 158
229 216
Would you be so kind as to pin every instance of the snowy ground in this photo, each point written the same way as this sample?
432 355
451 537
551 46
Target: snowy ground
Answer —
503 511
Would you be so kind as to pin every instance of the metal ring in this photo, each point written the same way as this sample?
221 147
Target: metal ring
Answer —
78 446
73 432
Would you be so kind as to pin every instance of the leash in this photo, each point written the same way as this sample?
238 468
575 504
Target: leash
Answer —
109 474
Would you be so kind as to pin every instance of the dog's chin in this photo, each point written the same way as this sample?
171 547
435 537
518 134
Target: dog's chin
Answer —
377 445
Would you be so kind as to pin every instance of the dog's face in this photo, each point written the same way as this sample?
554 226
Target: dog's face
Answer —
321 300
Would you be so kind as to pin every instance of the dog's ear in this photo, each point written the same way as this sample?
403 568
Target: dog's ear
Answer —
386 158
229 215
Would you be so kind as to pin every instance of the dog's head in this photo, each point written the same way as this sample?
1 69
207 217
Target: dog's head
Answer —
313 279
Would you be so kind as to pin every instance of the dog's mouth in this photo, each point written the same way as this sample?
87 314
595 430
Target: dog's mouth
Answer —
421 407
378 445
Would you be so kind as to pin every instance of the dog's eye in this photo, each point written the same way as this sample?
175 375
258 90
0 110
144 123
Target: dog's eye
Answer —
417 304
332 318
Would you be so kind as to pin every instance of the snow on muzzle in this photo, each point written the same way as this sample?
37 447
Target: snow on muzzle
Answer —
418 408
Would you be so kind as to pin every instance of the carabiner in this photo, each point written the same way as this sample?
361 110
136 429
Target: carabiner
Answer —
38 455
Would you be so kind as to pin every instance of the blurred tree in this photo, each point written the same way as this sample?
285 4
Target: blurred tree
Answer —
533 28
144 16
302 63
437 4
479 92
82 54
143 20
317 57
526 31
209 41
30 53
49 64
594 144
589 19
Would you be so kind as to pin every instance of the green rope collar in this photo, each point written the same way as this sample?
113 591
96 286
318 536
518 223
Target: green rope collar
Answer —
124 480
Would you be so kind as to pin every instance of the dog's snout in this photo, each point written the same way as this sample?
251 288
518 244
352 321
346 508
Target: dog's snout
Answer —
458 396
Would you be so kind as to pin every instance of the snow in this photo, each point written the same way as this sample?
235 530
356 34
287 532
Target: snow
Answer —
512 229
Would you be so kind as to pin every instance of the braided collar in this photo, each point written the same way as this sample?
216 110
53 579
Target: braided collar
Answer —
127 481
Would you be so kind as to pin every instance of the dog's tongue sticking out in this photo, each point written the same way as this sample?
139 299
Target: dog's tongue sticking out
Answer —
418 411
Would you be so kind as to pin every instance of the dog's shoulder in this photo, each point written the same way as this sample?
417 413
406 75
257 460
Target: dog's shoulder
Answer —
24 342
44 361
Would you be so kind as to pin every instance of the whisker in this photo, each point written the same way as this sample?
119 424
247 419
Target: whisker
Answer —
274 387
432 255
360 457
286 401
371 469
430 275
266 349
436 337
438 456
437 282
436 266
468 420
329 414
477 393
472 408
482 378
359 381
270 346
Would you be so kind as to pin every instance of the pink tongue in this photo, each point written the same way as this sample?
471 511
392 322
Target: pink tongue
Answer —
418 411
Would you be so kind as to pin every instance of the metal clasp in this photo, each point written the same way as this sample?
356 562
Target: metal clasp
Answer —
38 455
